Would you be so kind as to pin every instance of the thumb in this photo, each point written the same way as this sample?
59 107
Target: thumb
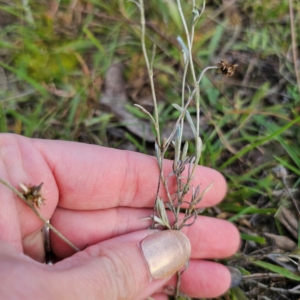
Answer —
132 266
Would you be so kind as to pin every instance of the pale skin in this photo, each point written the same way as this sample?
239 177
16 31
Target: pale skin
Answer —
96 197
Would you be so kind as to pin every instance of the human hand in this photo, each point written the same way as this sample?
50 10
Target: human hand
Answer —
97 196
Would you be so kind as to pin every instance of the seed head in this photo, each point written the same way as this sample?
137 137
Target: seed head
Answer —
225 68
33 194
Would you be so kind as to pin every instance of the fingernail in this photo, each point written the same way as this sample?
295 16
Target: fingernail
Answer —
166 252
236 276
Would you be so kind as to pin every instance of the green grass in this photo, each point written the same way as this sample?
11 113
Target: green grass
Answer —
251 120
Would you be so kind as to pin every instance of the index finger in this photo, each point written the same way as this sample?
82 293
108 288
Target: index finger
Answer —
93 177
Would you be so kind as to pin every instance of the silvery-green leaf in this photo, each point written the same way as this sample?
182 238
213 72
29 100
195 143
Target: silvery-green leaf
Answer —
198 148
159 221
178 131
145 111
178 144
177 107
192 161
170 207
190 120
162 222
184 151
177 151
161 211
184 50
196 14
158 154
199 198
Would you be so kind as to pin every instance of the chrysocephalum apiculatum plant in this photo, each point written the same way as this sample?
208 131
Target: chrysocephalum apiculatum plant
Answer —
184 212
175 203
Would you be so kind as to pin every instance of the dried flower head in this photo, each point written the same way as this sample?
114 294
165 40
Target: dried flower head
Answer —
33 194
225 68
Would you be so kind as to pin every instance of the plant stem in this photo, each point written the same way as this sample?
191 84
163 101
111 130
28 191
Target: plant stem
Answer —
196 84
202 73
150 71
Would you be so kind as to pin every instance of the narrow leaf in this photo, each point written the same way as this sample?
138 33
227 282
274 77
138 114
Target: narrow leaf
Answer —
145 111
276 269
190 120
258 143
184 151
184 50
253 238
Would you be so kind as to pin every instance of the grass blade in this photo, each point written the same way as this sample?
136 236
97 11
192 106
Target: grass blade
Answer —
276 269
258 143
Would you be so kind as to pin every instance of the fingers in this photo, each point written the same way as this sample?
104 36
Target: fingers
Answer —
87 177
159 297
209 237
203 279
9 220
118 269
104 178
121 272
212 238
93 177
24 278
33 246
20 162
108 271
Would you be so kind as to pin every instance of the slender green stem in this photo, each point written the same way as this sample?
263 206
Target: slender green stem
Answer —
150 70
196 85
202 73
183 97
188 40
156 117
162 145
196 160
